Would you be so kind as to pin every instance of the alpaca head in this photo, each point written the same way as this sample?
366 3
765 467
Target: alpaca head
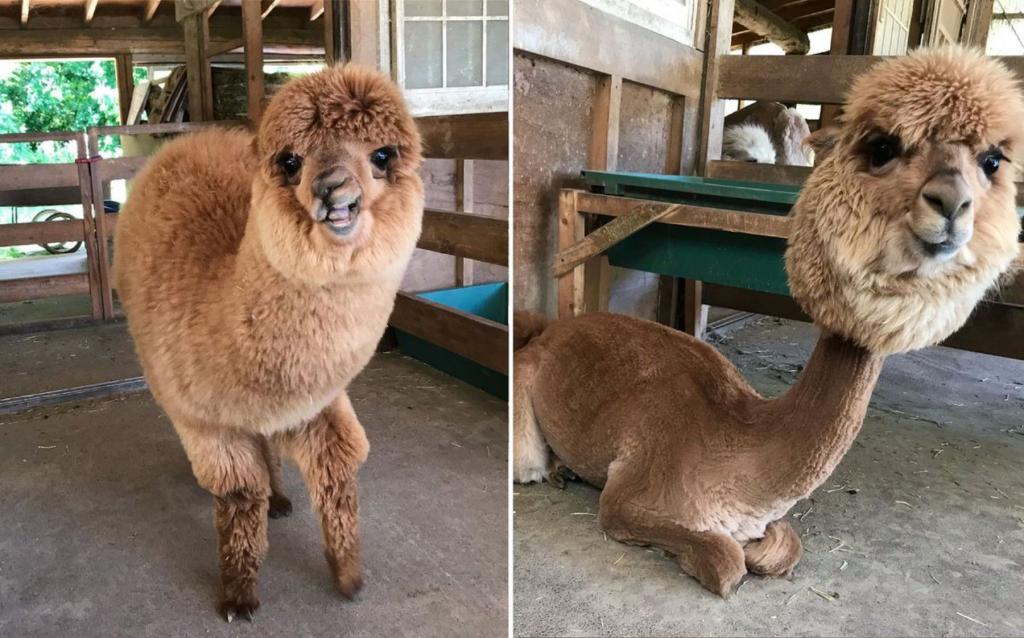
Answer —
910 216
337 192
747 143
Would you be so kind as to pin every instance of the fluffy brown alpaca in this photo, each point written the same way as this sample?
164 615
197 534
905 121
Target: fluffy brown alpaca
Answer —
907 221
257 275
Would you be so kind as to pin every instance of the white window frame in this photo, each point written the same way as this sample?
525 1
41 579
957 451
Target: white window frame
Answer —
445 100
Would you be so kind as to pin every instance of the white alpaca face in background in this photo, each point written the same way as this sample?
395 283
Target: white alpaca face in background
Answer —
747 143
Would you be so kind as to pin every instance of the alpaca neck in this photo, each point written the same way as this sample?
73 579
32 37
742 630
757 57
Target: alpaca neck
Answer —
816 422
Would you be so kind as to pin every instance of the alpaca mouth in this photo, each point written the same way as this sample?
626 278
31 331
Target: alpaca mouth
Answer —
940 250
341 217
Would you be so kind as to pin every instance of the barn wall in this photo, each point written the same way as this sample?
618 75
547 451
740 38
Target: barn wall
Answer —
553 114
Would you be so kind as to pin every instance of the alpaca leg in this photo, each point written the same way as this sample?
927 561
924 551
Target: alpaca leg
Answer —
329 451
529 450
714 559
777 553
559 473
230 465
280 505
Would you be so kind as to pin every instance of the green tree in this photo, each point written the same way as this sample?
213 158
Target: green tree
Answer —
57 96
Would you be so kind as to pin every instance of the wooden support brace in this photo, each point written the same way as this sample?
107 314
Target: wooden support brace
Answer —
762 21
464 196
197 66
125 84
610 234
570 231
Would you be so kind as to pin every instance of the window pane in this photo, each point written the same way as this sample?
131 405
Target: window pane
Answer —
465 7
497 8
422 7
422 55
497 52
465 53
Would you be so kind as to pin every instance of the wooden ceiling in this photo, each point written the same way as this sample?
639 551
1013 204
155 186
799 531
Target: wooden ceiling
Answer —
88 11
806 15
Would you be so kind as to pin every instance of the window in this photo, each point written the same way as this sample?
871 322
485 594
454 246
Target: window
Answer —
452 55
673 19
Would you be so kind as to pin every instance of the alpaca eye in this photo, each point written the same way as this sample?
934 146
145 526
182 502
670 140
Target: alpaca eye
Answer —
380 159
990 162
882 150
290 163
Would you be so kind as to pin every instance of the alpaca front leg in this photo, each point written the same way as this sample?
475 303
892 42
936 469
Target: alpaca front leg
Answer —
715 560
777 553
329 451
280 504
230 465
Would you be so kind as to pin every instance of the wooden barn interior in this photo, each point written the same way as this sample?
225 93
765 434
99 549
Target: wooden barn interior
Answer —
623 203
101 501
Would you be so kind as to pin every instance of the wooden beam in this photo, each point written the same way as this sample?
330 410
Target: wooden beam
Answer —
332 36
842 21
364 33
125 84
478 136
149 10
266 6
465 196
595 243
252 29
27 233
316 10
764 173
784 79
214 50
465 235
759 19
90 10
26 5
473 337
570 231
13 290
762 224
585 37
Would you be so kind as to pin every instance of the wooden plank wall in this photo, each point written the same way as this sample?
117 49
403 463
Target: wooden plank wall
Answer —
604 93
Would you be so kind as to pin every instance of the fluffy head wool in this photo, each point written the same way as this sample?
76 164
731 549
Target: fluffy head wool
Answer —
747 143
850 263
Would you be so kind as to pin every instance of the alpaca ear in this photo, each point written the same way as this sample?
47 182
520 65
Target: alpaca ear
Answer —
821 142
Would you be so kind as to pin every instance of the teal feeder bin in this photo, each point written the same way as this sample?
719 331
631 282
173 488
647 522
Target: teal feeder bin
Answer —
489 301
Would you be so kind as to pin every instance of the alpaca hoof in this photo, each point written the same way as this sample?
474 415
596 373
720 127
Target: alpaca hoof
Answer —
556 480
280 506
231 609
349 588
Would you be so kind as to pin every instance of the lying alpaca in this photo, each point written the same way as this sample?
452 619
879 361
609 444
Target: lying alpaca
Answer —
257 275
747 143
899 231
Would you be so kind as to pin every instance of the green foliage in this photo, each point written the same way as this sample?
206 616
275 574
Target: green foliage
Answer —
56 96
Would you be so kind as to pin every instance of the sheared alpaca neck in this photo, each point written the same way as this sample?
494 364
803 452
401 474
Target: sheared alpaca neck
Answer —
814 424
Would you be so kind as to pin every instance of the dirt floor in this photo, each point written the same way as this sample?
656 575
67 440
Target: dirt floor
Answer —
104 531
920 531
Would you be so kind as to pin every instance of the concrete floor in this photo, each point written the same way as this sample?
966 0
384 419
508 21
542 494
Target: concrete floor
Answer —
104 531
932 542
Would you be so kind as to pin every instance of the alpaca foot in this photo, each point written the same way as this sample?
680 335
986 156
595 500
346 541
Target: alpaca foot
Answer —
718 571
559 473
777 553
280 506
240 607
348 576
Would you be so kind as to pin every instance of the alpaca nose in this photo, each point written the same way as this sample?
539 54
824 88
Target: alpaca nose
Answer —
333 184
948 194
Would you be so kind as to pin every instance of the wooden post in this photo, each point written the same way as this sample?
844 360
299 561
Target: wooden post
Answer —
252 31
570 231
695 313
332 33
603 155
978 21
842 20
197 66
125 85
363 31
719 30
464 197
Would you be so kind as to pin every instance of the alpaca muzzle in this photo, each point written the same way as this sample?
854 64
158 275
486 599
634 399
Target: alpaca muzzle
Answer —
339 200
944 219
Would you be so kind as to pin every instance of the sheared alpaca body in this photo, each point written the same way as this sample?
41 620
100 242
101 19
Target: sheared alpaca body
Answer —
786 128
896 235
257 274
747 143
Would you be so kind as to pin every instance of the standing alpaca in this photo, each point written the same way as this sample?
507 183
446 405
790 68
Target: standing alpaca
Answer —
897 234
257 275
